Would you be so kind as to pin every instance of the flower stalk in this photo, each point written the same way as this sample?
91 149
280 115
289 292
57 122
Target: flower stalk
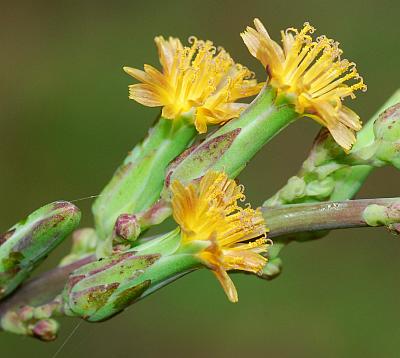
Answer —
224 149
137 184
199 86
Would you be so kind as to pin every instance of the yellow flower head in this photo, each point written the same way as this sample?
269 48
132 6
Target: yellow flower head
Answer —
208 211
312 74
199 78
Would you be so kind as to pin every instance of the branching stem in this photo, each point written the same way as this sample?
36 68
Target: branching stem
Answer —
289 220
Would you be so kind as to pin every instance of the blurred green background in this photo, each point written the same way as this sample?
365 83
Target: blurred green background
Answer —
66 123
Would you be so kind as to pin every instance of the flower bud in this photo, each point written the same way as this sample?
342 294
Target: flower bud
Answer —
387 126
387 215
31 321
387 136
126 228
27 243
101 289
45 329
272 269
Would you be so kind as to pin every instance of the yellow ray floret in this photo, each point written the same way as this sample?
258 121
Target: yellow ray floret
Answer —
208 211
197 78
311 74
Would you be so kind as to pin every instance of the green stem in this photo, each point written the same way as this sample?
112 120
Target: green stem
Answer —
258 125
232 146
354 179
137 184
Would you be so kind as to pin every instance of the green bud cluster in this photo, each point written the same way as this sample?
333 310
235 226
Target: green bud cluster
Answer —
32 321
331 174
387 136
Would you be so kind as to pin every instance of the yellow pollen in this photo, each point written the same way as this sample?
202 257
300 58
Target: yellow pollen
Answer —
312 75
198 78
208 211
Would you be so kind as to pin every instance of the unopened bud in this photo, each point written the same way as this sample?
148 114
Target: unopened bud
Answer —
45 329
32 321
27 243
387 215
272 269
387 133
126 228
103 288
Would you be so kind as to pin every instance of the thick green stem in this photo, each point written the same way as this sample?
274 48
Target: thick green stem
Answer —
160 254
137 184
258 125
232 146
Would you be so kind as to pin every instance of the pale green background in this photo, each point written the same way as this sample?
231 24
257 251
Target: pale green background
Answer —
66 123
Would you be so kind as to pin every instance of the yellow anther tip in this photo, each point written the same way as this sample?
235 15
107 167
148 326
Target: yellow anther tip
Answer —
310 73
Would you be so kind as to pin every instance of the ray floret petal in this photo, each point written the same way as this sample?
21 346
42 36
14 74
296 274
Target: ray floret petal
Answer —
208 211
312 75
198 78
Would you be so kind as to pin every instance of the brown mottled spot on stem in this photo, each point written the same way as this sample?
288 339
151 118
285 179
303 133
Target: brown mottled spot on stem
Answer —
390 112
98 296
128 296
112 261
73 280
203 155
4 237
11 263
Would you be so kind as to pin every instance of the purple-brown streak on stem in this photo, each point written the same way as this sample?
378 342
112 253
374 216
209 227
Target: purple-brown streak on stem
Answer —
298 218
42 289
